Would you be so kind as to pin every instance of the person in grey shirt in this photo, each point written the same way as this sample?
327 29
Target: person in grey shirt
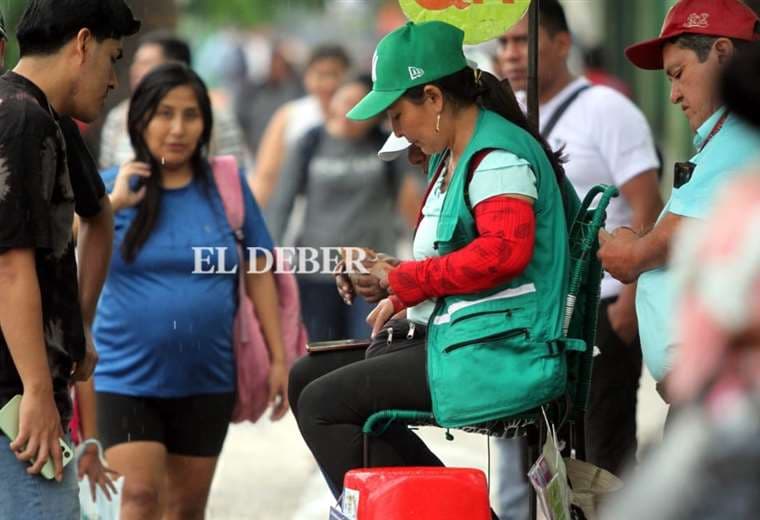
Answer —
350 199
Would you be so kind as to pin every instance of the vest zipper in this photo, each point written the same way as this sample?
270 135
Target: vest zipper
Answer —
508 312
501 335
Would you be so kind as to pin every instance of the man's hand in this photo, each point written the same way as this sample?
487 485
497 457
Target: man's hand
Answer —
39 431
83 369
97 474
616 252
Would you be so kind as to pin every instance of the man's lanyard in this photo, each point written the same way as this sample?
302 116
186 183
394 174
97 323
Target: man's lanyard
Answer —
714 131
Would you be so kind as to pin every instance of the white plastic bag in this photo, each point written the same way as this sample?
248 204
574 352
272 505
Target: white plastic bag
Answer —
101 508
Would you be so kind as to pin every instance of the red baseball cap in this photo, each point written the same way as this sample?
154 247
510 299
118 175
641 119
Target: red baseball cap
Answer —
726 18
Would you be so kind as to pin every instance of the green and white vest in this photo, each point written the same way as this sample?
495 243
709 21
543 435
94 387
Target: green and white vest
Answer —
498 352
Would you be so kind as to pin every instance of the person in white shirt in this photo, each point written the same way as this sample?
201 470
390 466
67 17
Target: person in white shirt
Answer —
606 140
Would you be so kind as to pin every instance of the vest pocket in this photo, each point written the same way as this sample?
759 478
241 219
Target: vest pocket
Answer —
506 312
488 339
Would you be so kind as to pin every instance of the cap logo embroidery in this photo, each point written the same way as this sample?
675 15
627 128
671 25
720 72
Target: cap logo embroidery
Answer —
416 73
697 21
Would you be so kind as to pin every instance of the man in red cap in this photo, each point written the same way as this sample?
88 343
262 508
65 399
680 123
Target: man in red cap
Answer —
697 39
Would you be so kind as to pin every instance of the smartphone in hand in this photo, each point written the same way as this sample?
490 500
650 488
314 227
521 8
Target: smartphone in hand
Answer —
9 419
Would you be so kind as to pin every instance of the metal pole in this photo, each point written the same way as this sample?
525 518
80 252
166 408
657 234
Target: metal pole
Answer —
533 20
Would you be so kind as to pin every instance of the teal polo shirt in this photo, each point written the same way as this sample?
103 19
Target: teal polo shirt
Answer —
732 148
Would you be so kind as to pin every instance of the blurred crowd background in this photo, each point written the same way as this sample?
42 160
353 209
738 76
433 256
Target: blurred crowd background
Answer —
252 52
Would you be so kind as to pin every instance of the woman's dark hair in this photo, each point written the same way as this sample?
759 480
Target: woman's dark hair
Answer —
142 107
462 90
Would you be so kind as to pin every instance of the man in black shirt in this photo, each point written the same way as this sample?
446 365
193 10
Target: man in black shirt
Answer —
67 50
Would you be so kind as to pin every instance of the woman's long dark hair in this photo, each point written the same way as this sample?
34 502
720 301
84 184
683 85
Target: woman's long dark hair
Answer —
462 90
142 107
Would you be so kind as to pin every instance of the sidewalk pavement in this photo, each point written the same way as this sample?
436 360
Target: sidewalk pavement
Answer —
266 472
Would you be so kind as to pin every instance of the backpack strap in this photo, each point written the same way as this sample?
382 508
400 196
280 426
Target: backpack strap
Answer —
475 161
561 111
227 181
308 149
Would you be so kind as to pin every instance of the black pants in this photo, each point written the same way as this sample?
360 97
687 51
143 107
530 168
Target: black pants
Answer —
333 393
611 416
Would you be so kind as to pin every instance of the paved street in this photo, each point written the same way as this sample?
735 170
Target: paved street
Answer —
266 472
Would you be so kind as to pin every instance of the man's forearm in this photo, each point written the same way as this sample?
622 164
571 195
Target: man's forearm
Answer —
94 255
652 250
21 319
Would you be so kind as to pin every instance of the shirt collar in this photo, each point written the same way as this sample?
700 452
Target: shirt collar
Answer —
704 130
30 88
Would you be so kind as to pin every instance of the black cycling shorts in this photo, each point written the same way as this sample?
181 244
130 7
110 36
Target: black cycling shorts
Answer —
193 426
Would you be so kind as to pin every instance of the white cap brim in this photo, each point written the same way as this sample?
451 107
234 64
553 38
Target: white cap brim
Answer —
393 148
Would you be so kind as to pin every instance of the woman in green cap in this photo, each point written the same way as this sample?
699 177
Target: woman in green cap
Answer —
484 297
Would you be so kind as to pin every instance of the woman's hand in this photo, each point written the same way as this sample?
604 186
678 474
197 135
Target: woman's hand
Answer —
368 287
278 390
381 314
122 195
91 465
380 270
371 284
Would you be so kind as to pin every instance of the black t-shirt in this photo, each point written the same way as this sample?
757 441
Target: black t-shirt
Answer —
40 187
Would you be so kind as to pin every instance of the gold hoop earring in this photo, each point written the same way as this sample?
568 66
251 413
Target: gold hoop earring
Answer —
438 124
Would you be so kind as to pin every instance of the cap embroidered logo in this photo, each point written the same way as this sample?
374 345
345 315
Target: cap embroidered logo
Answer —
697 21
416 73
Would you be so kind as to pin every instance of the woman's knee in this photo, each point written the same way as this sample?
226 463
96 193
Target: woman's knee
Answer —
313 406
140 500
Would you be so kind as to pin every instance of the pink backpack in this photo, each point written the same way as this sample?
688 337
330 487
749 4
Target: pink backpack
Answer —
251 352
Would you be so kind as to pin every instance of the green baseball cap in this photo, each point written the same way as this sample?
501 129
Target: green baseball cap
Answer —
412 55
